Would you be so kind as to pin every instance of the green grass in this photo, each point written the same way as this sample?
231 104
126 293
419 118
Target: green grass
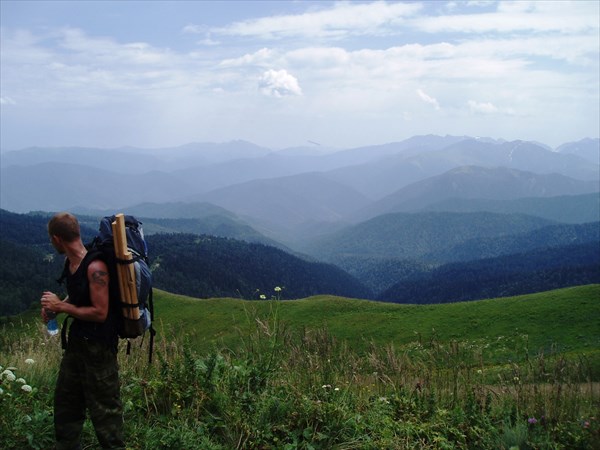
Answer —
328 372
565 320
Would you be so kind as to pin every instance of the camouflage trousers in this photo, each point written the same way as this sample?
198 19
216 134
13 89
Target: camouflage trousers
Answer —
88 380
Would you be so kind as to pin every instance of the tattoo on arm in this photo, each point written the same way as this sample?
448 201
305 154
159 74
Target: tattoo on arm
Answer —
100 277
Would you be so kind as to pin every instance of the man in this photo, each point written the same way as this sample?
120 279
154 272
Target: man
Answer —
88 378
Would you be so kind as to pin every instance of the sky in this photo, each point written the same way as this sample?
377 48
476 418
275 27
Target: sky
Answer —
282 74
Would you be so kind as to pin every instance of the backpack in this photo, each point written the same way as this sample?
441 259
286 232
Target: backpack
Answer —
103 245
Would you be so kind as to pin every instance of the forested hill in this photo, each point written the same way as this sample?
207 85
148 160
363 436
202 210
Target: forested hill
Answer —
200 266
207 266
517 274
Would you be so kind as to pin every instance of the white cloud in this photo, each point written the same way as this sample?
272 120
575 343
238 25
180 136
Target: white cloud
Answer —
261 57
482 107
343 19
279 83
518 16
428 99
4 100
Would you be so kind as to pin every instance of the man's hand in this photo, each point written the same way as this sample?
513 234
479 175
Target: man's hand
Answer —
50 302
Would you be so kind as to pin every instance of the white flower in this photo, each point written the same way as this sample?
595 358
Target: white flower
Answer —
29 361
21 380
277 289
8 374
336 389
26 388
263 297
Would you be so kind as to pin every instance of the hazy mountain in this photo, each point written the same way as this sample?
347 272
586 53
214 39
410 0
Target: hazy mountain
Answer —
409 147
415 236
301 160
171 210
564 208
469 182
347 180
588 149
383 176
53 186
136 160
289 201
113 160
197 218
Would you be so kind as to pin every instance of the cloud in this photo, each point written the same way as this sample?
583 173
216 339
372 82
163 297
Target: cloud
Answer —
4 100
479 107
258 58
427 99
517 16
343 19
279 83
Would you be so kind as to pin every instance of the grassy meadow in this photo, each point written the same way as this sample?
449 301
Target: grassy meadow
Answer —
328 372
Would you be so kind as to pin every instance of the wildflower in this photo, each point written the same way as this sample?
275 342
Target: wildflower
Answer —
21 380
532 421
336 389
586 424
479 371
277 289
263 297
326 386
516 379
29 361
9 375
26 388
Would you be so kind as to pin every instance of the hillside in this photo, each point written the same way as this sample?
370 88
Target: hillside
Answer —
516 274
588 149
180 217
208 266
543 238
386 175
569 317
413 236
563 208
38 188
286 202
473 182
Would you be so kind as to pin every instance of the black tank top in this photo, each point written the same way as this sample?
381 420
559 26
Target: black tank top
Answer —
78 288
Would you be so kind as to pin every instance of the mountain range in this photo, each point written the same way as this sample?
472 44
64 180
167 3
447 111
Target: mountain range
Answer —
293 195
378 220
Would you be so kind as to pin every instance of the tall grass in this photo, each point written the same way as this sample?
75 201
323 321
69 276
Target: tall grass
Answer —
288 388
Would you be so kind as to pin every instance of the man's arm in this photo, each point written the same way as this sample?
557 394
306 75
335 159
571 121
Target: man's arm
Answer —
98 279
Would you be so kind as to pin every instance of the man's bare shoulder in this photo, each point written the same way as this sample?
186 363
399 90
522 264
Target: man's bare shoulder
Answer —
98 272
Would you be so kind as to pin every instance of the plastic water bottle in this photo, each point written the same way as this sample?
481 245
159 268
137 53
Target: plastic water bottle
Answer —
52 325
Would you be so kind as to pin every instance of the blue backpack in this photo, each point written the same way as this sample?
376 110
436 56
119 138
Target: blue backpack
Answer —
103 244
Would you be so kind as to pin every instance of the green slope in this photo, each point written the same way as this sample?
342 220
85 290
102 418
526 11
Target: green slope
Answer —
563 321
566 320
